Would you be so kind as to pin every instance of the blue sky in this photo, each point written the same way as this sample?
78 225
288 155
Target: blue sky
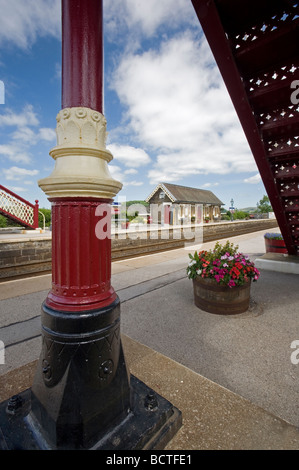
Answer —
169 116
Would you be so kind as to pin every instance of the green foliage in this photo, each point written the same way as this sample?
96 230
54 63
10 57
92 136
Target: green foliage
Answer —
6 222
131 217
143 203
237 215
264 205
130 214
47 214
3 221
240 215
221 250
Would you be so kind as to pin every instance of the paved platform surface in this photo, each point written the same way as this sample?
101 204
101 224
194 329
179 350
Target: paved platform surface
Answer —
232 377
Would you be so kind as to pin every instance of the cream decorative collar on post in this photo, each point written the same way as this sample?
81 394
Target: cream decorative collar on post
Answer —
81 157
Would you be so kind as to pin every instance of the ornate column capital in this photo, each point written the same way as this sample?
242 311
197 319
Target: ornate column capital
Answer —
81 157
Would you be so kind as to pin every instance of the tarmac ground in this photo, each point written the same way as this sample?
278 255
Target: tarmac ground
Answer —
235 378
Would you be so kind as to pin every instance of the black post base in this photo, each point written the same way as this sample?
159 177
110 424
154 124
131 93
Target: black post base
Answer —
150 424
82 396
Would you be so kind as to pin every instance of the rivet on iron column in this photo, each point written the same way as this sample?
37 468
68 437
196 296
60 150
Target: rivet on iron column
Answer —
83 396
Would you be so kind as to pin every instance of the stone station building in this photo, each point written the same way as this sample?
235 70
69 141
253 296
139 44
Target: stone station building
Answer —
174 204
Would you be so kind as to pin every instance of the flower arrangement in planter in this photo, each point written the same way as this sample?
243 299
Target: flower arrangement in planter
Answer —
273 236
274 243
222 279
224 264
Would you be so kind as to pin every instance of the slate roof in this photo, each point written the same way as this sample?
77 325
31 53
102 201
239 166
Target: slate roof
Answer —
184 194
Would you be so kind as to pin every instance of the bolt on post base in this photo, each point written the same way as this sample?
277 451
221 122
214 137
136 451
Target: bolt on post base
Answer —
150 425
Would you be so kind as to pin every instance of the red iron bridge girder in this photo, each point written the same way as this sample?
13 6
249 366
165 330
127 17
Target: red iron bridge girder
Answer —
256 46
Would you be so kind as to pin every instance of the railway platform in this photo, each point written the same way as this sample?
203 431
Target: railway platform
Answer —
234 379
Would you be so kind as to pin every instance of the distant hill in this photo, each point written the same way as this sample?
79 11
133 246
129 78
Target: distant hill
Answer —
129 203
248 209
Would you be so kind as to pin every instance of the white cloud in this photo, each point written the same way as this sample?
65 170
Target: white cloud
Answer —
178 107
47 134
24 134
19 143
21 22
15 173
141 17
27 117
129 156
209 185
116 172
120 175
133 183
18 189
58 71
253 179
15 153
27 135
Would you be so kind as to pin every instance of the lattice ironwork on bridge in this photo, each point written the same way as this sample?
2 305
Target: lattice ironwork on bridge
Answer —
18 209
256 46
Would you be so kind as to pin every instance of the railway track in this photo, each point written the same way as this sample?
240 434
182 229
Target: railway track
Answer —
21 259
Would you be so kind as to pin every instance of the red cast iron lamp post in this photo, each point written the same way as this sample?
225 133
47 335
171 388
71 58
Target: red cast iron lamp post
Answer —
83 396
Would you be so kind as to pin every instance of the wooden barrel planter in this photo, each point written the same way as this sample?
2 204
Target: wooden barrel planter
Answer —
219 299
275 246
